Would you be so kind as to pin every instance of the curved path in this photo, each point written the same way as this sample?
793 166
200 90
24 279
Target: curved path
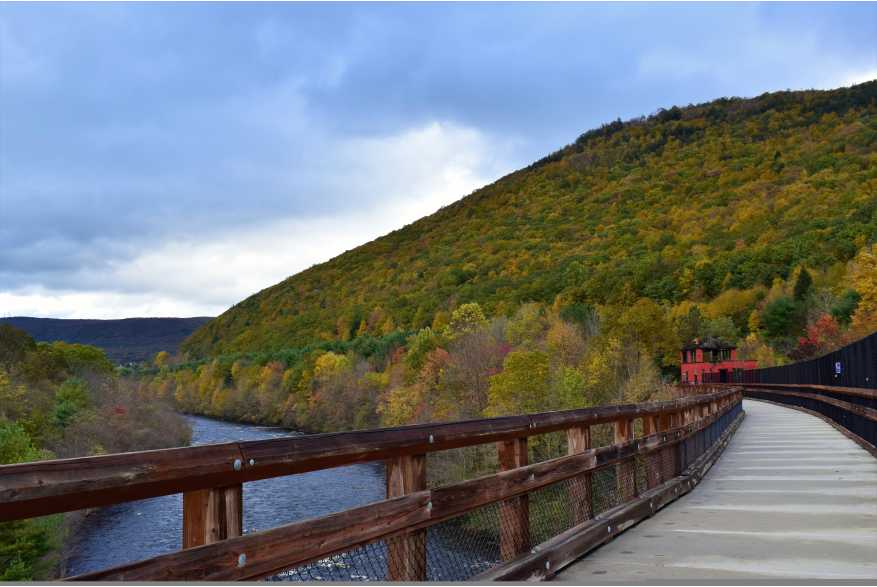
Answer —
791 497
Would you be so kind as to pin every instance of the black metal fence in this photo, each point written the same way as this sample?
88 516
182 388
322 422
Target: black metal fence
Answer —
854 365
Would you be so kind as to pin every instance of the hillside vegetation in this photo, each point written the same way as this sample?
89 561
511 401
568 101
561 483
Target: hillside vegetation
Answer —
678 207
59 401
572 283
123 341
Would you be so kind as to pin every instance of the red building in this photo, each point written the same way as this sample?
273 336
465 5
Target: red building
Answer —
712 356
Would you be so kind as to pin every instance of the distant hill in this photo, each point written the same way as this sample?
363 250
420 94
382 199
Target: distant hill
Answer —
681 206
126 340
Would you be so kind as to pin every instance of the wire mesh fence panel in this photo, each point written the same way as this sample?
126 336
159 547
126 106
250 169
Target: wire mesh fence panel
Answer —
368 563
464 546
602 435
549 512
460 464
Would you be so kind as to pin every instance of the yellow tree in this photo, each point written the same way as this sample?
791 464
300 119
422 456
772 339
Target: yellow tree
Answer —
523 385
864 320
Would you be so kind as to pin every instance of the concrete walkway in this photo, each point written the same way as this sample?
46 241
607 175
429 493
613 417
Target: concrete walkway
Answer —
791 497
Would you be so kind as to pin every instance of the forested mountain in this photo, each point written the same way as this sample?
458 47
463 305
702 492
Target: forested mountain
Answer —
126 340
680 207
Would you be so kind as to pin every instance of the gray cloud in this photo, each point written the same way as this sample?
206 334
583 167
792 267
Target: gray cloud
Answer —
127 126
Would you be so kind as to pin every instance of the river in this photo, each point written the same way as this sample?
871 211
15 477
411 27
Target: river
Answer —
127 532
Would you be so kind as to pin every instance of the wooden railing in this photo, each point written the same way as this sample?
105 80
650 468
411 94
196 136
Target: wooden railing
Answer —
210 477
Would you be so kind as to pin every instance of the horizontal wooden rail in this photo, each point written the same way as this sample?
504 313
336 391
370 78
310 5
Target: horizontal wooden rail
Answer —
38 489
857 391
852 408
271 551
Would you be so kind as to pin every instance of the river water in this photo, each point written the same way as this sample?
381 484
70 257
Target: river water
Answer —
128 532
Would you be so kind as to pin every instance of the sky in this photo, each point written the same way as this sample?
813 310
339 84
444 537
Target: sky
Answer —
167 159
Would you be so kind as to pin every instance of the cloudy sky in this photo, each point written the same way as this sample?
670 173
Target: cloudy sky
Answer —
172 159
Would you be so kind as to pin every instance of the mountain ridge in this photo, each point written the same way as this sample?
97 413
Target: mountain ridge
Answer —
123 340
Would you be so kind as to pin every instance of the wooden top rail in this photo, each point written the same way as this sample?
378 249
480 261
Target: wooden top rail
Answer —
278 549
38 489
861 392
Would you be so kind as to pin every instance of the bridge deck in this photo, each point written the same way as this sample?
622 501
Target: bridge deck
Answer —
790 497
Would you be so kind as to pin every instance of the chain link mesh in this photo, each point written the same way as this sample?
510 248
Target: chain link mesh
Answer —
464 546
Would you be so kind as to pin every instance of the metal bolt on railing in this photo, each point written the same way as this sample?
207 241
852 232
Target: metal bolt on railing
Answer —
237 464
242 559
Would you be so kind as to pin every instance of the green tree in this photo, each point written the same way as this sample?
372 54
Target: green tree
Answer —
14 345
85 357
724 329
23 542
579 314
845 306
802 285
691 326
419 346
71 397
778 316
574 275
73 391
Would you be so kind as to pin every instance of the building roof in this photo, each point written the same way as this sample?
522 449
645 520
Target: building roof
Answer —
709 344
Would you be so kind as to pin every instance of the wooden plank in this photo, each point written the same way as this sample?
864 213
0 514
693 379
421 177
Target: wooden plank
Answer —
211 515
43 488
406 554
195 504
234 511
857 391
514 514
278 549
578 440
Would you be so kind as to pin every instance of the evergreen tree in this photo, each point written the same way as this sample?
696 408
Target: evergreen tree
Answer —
802 285
691 326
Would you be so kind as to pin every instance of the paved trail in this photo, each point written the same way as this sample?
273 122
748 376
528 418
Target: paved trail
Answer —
791 497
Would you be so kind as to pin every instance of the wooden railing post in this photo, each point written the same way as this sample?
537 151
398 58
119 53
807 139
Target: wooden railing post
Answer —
580 488
651 425
211 515
627 469
514 514
406 554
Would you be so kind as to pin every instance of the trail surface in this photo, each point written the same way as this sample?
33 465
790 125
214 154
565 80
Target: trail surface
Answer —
791 497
